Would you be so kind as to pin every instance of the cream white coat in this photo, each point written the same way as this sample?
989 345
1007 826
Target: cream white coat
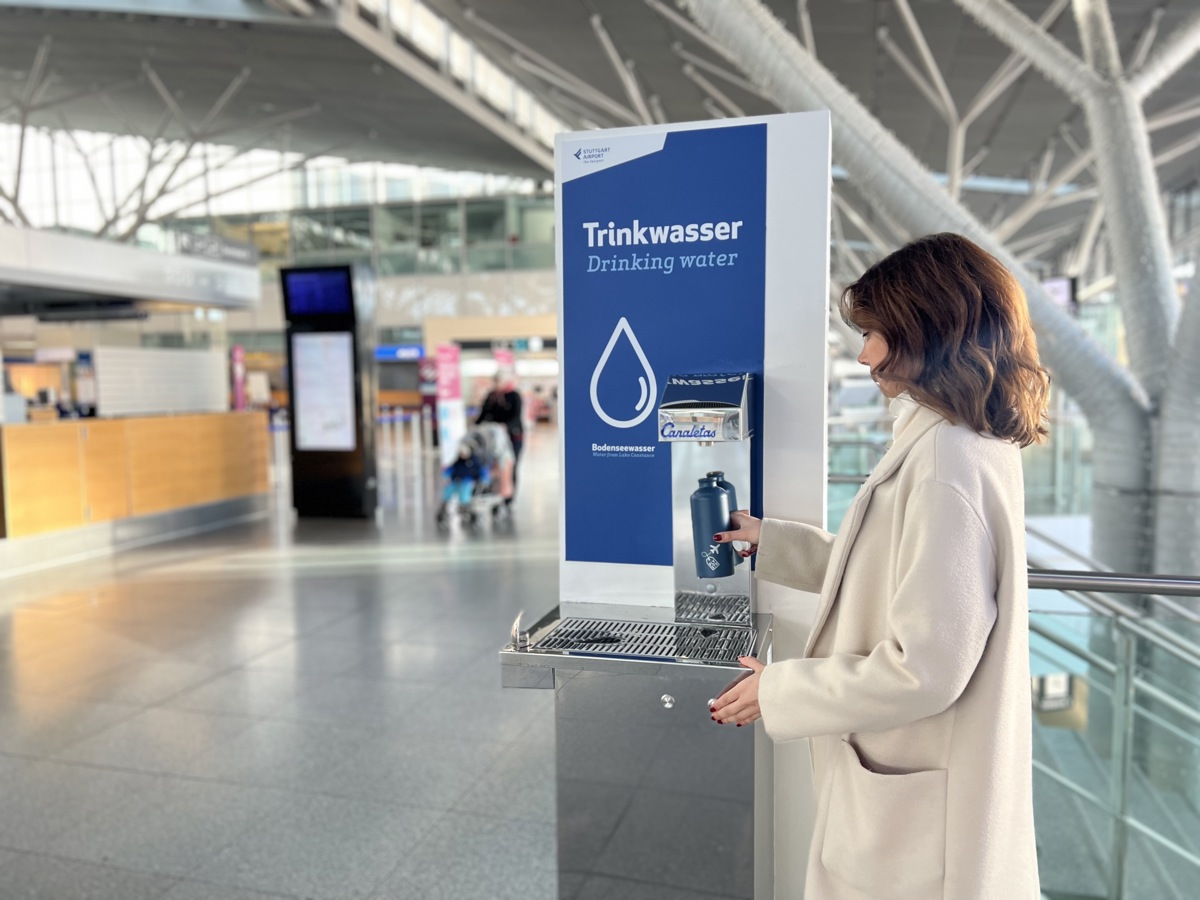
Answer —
914 686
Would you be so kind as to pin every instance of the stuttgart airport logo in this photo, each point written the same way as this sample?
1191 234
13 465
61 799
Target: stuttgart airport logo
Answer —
591 155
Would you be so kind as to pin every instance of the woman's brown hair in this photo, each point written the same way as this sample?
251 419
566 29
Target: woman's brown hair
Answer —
958 335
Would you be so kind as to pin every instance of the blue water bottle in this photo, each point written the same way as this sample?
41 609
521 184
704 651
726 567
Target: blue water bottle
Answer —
727 487
733 505
710 514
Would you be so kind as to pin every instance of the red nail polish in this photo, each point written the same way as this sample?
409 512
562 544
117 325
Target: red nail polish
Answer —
717 538
739 724
714 718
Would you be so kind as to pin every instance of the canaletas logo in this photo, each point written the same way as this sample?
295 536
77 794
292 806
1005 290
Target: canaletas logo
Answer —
670 431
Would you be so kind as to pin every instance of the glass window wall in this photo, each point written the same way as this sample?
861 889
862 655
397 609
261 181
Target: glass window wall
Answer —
439 237
480 234
489 236
396 225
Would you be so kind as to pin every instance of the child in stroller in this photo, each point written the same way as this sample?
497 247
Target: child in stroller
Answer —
481 475
468 472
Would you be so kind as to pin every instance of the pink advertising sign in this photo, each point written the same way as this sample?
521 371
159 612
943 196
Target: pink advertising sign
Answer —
505 358
449 374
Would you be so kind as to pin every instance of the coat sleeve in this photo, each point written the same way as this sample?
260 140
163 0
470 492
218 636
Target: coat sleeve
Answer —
938 621
793 554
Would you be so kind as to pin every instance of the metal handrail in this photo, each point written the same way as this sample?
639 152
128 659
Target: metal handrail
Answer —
1114 582
1158 598
1129 619
841 441
845 479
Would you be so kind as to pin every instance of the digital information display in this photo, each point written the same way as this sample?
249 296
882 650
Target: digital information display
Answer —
323 375
318 292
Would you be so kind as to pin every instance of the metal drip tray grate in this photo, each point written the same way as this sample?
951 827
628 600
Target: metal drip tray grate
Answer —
647 640
712 609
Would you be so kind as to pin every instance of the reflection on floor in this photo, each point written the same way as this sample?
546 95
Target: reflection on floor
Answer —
286 710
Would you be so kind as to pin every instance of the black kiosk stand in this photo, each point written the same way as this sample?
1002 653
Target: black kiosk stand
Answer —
331 390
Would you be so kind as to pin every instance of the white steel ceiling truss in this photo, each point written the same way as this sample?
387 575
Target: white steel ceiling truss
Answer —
376 34
165 157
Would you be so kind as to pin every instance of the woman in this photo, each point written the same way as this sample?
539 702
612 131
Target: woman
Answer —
503 405
914 685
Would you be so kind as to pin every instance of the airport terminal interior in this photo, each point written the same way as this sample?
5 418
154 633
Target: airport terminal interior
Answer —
282 709
267 267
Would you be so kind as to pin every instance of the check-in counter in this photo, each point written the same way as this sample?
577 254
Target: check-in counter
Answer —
57 476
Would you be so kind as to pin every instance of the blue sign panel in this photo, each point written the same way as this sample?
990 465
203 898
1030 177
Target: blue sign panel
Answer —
399 352
663 273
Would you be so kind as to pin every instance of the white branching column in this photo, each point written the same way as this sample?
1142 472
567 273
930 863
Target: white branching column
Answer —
1162 350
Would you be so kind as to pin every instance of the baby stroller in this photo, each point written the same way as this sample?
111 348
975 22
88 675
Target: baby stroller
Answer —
475 481
503 460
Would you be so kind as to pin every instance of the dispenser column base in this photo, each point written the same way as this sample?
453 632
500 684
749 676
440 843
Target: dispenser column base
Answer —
654 798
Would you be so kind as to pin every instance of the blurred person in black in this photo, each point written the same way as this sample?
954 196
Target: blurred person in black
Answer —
503 405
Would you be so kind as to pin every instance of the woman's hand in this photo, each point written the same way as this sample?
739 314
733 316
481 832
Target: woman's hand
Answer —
745 528
739 704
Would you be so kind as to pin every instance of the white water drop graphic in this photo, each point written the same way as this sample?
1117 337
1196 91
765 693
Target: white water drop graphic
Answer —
647 383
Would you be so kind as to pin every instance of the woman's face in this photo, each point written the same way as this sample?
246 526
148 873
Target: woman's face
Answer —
873 353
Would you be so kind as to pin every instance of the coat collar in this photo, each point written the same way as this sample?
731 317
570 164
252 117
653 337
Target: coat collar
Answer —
923 419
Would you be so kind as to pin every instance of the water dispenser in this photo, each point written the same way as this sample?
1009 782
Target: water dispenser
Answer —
708 421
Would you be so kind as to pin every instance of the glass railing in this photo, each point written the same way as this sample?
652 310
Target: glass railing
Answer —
430 236
852 456
1116 734
1058 472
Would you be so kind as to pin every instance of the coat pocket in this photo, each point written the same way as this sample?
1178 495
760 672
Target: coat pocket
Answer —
886 834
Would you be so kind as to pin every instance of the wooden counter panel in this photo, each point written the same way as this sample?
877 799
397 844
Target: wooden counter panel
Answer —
244 455
66 474
189 460
43 478
258 479
198 468
161 463
105 470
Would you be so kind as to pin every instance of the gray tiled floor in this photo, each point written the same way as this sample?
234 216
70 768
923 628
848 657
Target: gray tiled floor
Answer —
285 710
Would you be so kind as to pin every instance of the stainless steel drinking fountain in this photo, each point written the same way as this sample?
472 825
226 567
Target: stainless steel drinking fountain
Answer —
650 791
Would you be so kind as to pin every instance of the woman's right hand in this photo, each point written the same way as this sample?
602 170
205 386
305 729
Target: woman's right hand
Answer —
746 528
